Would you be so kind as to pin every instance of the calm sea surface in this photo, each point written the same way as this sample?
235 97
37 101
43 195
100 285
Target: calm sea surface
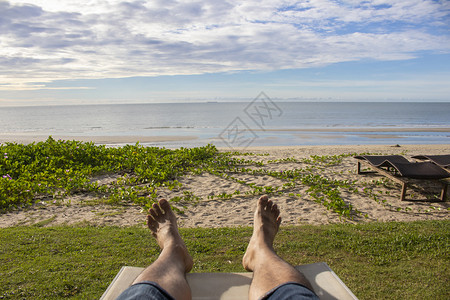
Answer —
256 124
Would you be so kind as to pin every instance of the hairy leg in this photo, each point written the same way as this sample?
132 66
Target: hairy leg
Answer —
170 268
269 270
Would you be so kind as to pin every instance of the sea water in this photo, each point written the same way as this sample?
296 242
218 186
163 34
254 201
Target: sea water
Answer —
259 124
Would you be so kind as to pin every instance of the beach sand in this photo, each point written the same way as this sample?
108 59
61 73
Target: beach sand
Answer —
297 206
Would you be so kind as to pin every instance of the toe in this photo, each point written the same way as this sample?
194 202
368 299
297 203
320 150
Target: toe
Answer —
278 221
153 213
165 206
151 222
264 198
269 205
157 209
275 209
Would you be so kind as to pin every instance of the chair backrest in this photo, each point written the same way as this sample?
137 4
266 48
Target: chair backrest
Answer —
380 160
441 160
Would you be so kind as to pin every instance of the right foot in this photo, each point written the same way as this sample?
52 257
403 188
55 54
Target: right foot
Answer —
162 222
265 227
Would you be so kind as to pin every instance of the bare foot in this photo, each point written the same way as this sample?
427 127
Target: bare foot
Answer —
162 222
265 227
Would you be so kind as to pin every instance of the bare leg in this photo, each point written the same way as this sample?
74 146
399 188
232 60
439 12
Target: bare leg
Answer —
269 270
170 268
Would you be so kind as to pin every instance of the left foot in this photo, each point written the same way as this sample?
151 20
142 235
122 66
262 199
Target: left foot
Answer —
162 222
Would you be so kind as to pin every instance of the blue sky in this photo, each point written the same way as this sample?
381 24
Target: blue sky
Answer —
110 51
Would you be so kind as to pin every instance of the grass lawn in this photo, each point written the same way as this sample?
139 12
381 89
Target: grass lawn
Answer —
376 260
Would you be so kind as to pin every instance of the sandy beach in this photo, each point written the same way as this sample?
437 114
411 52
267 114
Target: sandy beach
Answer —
297 205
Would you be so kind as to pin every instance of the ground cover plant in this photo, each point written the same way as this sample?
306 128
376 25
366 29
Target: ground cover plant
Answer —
56 169
375 260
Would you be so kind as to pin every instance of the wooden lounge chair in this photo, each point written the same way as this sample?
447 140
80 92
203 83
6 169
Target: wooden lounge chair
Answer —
440 160
398 168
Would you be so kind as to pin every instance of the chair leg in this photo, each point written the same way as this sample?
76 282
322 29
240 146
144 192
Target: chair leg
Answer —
444 191
402 196
359 168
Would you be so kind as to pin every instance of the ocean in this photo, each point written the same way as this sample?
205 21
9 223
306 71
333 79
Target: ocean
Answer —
263 122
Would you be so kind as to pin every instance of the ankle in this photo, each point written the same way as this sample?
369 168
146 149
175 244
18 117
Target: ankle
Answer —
180 251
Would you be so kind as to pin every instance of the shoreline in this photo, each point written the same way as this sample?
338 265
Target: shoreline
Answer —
101 140
356 130
296 204
340 149
304 134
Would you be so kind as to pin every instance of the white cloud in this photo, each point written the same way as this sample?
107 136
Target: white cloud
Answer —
45 40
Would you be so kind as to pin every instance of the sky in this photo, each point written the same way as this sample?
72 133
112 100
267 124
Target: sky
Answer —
111 51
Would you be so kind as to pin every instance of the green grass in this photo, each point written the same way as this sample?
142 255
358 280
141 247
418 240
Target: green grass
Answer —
376 260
